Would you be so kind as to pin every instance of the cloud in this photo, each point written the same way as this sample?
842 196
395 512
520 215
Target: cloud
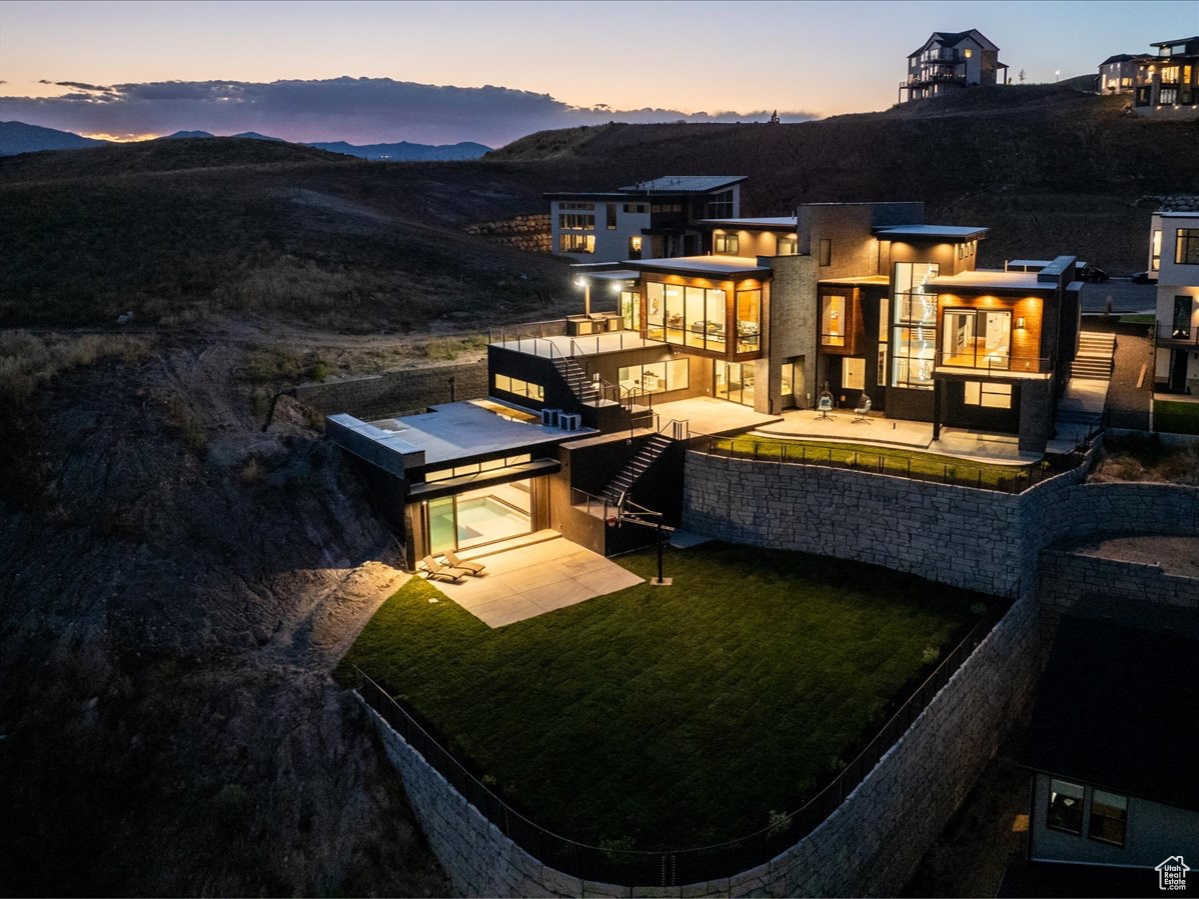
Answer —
358 110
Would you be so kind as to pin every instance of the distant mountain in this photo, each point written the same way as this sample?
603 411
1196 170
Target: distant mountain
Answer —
17 137
406 152
254 135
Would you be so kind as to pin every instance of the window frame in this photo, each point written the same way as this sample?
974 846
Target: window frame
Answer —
1049 807
1094 817
1186 246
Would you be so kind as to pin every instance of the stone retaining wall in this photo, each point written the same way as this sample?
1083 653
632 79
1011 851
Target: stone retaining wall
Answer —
524 232
375 396
868 847
1074 580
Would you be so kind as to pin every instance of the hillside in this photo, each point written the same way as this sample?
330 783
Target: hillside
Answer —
17 137
1047 167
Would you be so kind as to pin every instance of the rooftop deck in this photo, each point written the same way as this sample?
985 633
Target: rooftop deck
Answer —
589 345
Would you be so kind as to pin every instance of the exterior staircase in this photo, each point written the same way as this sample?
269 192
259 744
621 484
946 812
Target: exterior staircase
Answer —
584 389
1094 359
638 465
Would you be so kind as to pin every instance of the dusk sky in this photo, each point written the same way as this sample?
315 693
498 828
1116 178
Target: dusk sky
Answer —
363 72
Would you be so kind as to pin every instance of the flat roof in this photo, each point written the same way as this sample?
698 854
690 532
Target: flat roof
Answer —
1115 708
769 223
701 265
1178 215
995 280
684 184
451 432
611 274
931 232
860 279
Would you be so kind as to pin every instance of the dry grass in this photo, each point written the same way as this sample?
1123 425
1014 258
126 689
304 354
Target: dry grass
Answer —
28 360
1137 457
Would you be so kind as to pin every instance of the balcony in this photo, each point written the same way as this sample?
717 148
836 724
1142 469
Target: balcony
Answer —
1167 335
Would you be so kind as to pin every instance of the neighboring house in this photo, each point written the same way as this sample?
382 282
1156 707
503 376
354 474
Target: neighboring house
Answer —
1118 74
864 298
651 220
1167 85
1113 742
1174 262
951 60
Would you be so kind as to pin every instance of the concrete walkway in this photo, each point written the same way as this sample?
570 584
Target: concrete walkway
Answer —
531 579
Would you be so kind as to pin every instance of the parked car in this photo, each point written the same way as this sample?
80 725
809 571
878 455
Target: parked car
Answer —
1092 274
1141 278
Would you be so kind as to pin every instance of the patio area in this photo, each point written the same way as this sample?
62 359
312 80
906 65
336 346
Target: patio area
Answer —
709 415
533 575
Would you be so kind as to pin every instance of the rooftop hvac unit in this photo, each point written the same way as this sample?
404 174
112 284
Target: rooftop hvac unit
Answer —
549 417
570 422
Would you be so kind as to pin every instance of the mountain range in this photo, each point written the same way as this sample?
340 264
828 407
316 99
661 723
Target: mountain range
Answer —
18 137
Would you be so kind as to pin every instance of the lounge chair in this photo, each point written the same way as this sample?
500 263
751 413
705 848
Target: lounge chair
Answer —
863 410
435 570
475 568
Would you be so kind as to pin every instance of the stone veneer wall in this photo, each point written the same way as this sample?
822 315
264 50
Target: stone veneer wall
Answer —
397 391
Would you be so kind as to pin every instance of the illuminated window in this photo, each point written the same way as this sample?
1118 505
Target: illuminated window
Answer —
749 319
988 394
519 388
728 244
655 377
914 336
576 222
1155 262
832 320
976 339
635 247
1186 246
788 245
576 243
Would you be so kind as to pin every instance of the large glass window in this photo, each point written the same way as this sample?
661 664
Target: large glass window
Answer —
734 381
655 377
655 310
1186 246
720 205
630 310
1065 807
480 516
832 319
976 338
689 316
1180 328
1109 817
914 335
576 243
520 388
727 244
576 221
788 245
749 320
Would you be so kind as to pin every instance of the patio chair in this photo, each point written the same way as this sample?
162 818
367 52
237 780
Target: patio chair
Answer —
436 571
862 412
475 568
825 405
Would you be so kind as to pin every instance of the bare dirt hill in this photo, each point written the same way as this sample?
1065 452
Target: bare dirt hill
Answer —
175 586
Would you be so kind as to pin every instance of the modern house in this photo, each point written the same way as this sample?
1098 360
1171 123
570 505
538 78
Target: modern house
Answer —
1113 748
950 60
651 220
1174 262
1167 85
859 299
1118 74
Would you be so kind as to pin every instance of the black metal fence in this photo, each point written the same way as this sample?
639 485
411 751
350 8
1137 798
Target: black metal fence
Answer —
949 471
673 868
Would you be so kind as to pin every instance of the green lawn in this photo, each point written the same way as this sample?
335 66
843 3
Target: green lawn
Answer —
889 460
677 716
1175 418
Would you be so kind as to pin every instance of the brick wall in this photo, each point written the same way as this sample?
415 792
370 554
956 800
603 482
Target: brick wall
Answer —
397 391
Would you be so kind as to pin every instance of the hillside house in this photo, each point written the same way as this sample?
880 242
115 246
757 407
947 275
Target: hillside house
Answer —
651 220
1174 263
1167 85
861 299
949 61
1118 74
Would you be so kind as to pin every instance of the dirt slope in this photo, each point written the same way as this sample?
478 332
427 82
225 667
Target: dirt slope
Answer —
174 588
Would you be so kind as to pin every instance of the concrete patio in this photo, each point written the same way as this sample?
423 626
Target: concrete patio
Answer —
534 575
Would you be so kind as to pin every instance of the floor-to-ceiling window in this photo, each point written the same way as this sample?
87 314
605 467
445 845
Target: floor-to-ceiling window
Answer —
914 335
734 381
480 516
976 338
